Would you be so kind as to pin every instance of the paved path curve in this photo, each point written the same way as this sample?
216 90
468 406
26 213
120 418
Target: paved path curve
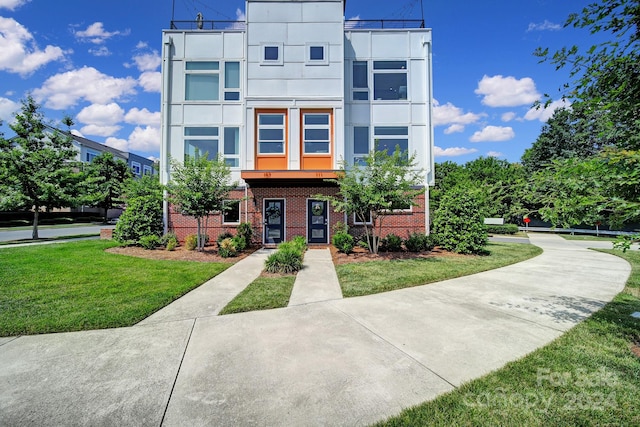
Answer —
339 362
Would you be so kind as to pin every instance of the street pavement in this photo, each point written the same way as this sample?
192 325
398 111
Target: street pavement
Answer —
6 236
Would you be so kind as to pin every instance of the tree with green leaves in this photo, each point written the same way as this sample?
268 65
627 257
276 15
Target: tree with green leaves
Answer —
146 185
198 188
383 184
104 182
37 167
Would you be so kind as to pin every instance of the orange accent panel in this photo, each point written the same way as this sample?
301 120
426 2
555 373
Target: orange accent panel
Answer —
285 174
272 161
317 161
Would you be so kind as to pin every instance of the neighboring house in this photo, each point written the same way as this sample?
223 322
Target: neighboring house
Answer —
285 98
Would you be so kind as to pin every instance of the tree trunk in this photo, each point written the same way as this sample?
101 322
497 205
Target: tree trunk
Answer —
198 236
34 233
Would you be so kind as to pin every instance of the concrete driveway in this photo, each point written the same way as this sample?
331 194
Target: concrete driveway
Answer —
340 362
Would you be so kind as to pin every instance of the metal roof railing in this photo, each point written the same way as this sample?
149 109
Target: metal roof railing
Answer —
208 25
349 24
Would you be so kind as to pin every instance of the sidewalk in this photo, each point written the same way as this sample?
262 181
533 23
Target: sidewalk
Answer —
317 281
350 361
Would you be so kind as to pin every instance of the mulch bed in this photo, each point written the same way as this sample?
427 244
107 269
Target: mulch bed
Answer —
360 254
180 254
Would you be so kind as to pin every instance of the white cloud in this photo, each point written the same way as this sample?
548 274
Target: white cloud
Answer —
101 51
493 133
452 151
100 130
142 45
101 114
147 61
454 129
352 22
142 117
544 26
507 117
12 4
77 133
66 89
145 139
544 113
499 91
150 81
449 114
96 34
7 109
495 154
117 143
19 52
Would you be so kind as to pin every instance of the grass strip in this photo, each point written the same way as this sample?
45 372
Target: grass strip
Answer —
48 239
588 376
264 293
77 285
365 278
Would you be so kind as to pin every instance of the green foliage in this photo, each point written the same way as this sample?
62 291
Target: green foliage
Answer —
104 183
146 185
501 229
343 241
340 227
222 236
171 245
37 169
624 242
227 248
239 242
458 223
150 242
288 258
169 241
245 229
391 243
418 242
386 183
142 217
199 187
191 242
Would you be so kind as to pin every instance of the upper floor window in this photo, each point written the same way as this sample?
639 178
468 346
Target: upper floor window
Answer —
271 133
317 53
90 155
390 80
360 144
389 138
146 170
201 140
231 151
271 54
231 81
202 81
360 81
316 133
135 168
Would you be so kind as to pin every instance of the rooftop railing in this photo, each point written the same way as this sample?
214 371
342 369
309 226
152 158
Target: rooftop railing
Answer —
349 24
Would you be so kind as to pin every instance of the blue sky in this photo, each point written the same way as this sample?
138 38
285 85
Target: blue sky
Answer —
99 62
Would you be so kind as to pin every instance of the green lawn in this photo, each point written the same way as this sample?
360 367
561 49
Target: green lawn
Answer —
77 285
587 237
364 278
588 376
264 293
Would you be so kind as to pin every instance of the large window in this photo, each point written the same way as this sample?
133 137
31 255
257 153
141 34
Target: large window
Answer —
231 212
316 133
360 81
360 144
231 150
202 81
389 138
271 133
390 80
232 81
201 140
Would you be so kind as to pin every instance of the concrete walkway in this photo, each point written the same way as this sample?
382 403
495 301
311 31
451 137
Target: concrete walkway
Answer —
345 362
317 281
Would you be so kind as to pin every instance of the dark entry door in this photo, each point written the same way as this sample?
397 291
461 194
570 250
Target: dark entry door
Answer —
273 221
317 222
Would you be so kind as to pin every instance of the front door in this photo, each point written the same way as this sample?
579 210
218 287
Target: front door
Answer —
273 221
317 222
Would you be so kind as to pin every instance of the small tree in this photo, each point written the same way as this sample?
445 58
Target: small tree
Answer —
198 188
458 222
384 184
36 166
105 180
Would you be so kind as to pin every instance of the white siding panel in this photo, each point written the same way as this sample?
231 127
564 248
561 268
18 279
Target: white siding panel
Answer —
391 114
419 113
417 85
178 45
332 71
294 139
358 45
315 32
258 87
257 71
418 50
322 12
176 146
232 115
202 114
176 114
234 45
389 45
315 87
359 114
418 145
274 12
177 82
266 32
205 45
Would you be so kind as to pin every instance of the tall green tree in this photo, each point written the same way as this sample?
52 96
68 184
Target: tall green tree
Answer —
199 187
37 167
105 180
384 184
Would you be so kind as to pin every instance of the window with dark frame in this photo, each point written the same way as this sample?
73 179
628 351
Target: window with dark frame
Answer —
231 214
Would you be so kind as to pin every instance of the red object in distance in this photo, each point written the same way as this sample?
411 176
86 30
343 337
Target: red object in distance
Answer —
527 220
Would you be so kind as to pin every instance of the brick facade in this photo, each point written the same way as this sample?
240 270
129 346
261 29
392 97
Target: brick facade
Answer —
295 197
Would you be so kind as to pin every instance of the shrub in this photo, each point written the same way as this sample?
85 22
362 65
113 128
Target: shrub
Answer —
391 243
502 229
227 248
222 236
343 241
190 242
418 242
239 242
150 242
340 227
288 258
172 245
142 217
169 237
300 243
458 222
245 229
